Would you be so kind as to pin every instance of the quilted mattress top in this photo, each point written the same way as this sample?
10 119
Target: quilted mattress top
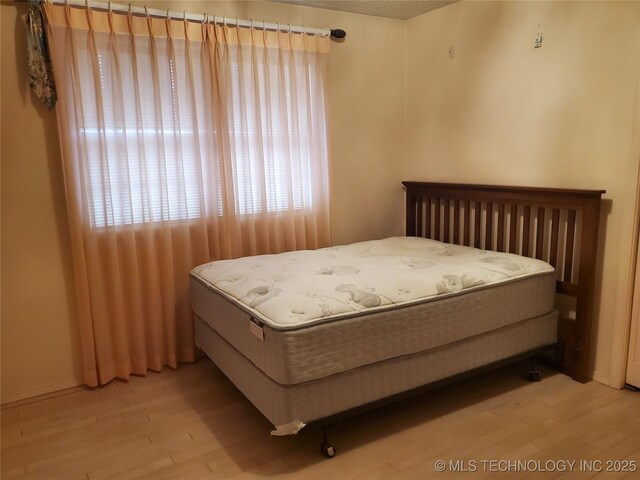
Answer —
293 289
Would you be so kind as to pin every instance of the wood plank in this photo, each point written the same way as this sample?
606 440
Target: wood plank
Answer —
478 217
202 427
419 226
427 221
526 230
436 226
513 229
568 252
501 230
456 222
488 242
467 223
555 227
447 214
540 227
410 219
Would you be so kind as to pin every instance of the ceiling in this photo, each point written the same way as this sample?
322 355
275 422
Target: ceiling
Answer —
400 9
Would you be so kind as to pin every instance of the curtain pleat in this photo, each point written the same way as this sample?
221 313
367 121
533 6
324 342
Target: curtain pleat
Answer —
181 144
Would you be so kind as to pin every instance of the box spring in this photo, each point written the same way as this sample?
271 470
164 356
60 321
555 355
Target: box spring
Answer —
316 399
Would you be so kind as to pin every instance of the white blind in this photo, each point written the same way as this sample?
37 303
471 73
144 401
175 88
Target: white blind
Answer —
155 156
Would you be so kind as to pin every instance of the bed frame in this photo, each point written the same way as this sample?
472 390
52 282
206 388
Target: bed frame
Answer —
555 225
558 226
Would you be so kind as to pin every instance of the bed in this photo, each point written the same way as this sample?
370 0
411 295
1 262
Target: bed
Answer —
310 335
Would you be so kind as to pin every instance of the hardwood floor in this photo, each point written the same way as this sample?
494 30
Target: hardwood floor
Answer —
193 424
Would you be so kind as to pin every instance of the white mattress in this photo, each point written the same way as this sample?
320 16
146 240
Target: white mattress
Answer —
318 349
298 289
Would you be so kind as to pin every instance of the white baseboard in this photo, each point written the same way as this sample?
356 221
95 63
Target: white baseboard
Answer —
40 390
603 378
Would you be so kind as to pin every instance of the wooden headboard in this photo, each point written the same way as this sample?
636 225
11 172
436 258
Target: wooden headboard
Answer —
555 225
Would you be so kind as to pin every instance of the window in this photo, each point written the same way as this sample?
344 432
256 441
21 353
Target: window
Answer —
177 149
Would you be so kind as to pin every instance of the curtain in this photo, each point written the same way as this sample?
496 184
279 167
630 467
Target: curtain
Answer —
181 143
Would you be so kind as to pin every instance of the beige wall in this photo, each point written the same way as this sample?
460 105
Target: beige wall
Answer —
503 112
40 350
498 112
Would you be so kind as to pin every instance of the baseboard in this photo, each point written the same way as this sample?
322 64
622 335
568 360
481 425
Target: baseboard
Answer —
40 390
603 378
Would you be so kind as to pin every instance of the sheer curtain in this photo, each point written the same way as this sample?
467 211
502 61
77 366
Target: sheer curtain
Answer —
181 143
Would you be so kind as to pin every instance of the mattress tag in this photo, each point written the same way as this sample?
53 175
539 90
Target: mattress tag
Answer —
256 330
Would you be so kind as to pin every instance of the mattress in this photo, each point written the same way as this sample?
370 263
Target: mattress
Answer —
301 288
289 407
429 295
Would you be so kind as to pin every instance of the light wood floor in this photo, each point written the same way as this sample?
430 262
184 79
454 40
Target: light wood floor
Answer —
193 424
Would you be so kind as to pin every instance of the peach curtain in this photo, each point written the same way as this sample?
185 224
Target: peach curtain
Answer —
181 143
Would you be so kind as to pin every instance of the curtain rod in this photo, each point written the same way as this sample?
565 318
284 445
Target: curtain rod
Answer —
200 17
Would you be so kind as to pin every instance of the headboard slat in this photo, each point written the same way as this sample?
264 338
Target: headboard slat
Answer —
540 234
488 234
447 212
467 222
436 225
501 227
477 216
513 227
568 256
553 248
427 216
575 248
456 222
526 231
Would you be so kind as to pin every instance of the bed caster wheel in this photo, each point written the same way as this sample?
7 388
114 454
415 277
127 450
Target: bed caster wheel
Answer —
534 376
327 450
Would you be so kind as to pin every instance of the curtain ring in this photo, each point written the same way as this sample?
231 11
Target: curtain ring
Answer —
67 12
89 14
110 17
146 11
130 20
203 26
167 25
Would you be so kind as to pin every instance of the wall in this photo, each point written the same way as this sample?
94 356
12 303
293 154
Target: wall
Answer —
40 350
498 112
563 115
